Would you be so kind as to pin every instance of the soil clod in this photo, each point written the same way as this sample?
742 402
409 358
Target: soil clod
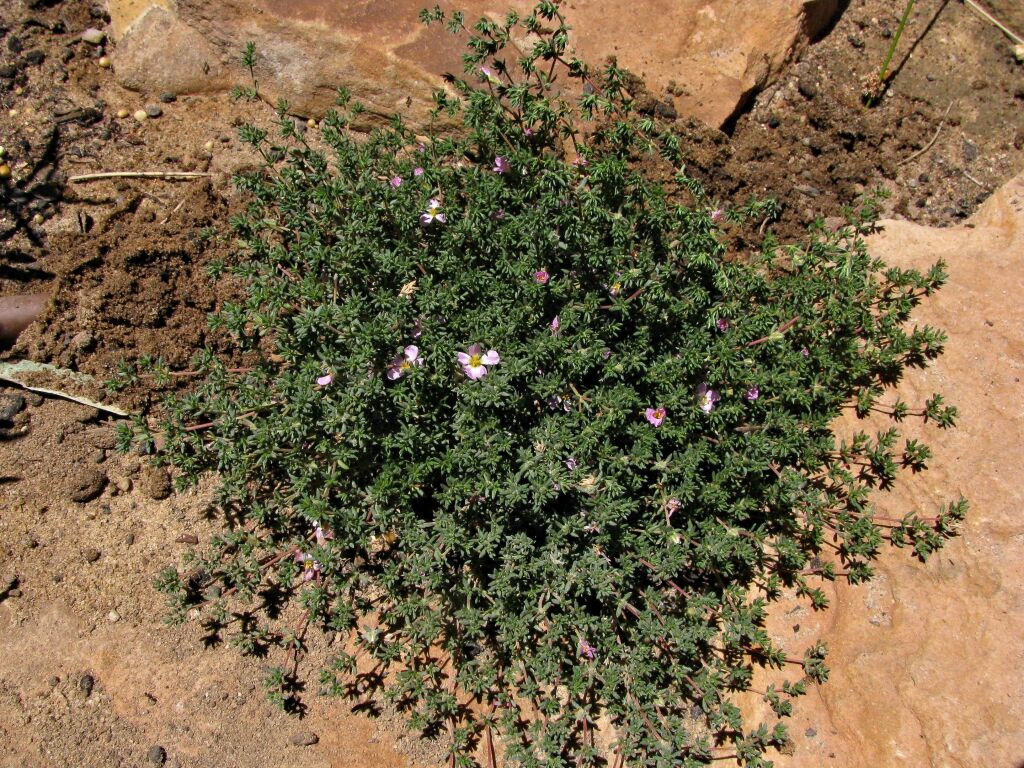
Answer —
156 755
305 739
86 683
86 484
156 483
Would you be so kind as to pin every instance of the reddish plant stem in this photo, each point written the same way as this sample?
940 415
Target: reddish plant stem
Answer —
208 424
193 373
781 329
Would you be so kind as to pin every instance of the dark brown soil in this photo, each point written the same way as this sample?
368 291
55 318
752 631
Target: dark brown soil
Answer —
946 134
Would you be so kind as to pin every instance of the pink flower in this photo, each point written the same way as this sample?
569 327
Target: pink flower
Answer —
501 165
310 565
326 379
396 181
555 325
708 398
528 131
581 161
655 416
571 464
417 171
722 324
322 536
489 76
474 364
421 147
587 651
541 276
417 328
404 362
753 393
670 508
432 214
805 352
717 215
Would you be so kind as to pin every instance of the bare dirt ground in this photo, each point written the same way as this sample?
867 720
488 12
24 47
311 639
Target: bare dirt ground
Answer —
89 674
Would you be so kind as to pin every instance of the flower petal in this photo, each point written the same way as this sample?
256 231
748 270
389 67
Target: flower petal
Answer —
463 358
491 358
411 353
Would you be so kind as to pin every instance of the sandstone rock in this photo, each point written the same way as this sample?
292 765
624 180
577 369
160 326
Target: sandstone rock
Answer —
925 659
721 52
94 36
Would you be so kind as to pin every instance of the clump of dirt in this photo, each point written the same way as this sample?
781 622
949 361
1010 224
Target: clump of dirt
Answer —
134 285
944 136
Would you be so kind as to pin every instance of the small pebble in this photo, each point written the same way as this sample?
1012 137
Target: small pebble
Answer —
140 115
311 123
86 683
167 97
208 146
1018 53
38 219
113 617
3 152
156 755
123 113
11 405
19 91
91 555
104 62
153 110
94 36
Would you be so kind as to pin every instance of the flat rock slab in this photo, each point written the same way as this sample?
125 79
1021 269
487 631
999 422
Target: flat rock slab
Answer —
925 660
718 53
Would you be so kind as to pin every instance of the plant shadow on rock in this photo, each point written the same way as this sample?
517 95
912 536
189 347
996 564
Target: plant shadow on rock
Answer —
521 431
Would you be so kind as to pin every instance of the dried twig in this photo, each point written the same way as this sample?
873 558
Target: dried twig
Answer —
971 178
930 143
140 175
989 17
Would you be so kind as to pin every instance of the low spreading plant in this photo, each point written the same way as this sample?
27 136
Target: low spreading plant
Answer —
528 432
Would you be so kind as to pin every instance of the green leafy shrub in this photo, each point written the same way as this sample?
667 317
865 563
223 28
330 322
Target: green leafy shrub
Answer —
527 431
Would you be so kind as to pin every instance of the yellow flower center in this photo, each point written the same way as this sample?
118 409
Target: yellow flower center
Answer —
474 361
405 365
